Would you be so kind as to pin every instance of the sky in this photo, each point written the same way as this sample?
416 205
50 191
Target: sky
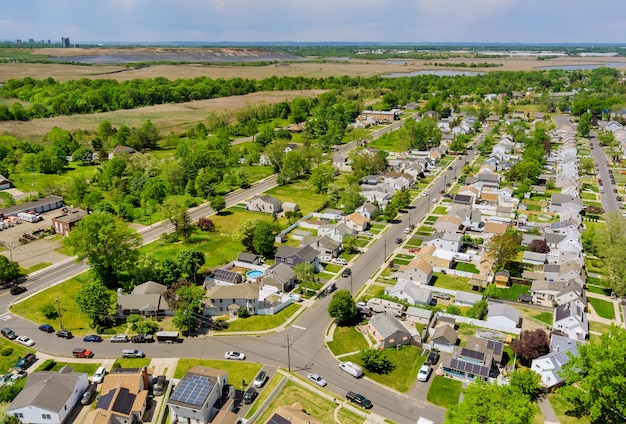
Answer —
249 21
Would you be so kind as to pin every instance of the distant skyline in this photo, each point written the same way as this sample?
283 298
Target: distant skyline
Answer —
249 21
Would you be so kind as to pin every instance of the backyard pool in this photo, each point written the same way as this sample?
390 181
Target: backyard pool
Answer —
254 275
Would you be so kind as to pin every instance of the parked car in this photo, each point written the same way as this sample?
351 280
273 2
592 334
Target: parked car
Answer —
398 240
249 395
142 338
331 288
25 361
19 375
6 379
340 261
346 272
98 376
132 353
15 289
8 333
46 328
237 356
326 259
66 334
25 340
89 394
92 338
119 338
525 298
259 380
159 385
433 358
316 379
449 168
359 400
81 352
444 296
424 373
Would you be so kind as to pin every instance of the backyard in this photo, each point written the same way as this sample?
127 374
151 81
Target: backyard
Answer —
444 391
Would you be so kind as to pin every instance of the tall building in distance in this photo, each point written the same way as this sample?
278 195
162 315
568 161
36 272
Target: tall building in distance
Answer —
65 42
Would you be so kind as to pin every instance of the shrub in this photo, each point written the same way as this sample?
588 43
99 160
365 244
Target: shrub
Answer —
49 311
6 351
243 313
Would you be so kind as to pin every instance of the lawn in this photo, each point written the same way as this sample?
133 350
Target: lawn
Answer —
346 340
603 308
444 391
261 323
237 370
598 289
51 365
7 362
599 327
467 267
512 292
131 362
407 362
451 282
546 317
431 219
564 410
440 210
294 193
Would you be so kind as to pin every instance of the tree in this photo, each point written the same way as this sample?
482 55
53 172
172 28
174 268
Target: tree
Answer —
179 218
594 378
491 404
107 243
83 155
350 243
94 299
169 272
9 270
245 233
587 165
263 239
206 224
503 248
526 381
612 249
376 361
531 344
190 262
218 203
321 177
342 306
539 246
478 310
584 125
189 309
305 272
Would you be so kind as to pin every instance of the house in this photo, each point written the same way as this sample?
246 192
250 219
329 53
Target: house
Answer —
357 222
198 395
463 199
382 116
229 299
121 150
410 292
502 279
448 224
64 223
5 183
563 272
280 276
249 258
367 210
48 397
418 271
419 315
342 162
537 260
549 365
479 359
471 219
293 414
502 314
388 331
559 201
264 203
447 241
470 191
222 277
335 231
325 245
464 298
553 293
494 228
571 320
444 338
123 398
147 299
293 256
440 259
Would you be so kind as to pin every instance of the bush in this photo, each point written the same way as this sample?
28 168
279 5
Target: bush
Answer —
49 311
6 351
47 365
243 313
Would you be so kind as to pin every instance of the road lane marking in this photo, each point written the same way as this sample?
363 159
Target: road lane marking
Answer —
298 327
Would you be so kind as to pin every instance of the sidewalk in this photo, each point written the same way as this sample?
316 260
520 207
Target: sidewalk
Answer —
549 416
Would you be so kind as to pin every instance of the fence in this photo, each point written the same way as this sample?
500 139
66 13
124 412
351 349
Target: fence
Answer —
483 324
266 402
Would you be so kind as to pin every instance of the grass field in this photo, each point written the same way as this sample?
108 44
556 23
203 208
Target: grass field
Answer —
261 323
564 410
467 267
7 362
602 307
237 370
346 340
598 289
546 317
444 391
451 282
512 292
88 368
294 192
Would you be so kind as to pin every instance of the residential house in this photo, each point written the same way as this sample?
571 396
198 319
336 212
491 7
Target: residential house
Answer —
225 277
447 241
291 207
229 299
485 179
535 259
463 199
382 116
48 397
378 197
470 191
123 398
440 259
5 183
529 238
388 331
199 394
334 214
479 359
325 245
444 337
357 222
502 314
471 219
418 315
335 231
549 366
410 292
293 256
280 276
448 224
264 203
121 150
563 272
494 229
464 298
553 293
62 224
559 201
367 210
249 258
147 299
417 271
571 320
342 162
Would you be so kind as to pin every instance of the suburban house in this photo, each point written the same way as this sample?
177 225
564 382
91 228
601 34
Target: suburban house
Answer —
250 258
382 116
367 210
146 299
418 271
48 397
494 228
447 241
553 293
64 223
229 299
199 395
559 201
121 150
335 231
264 203
502 314
571 320
223 277
479 359
325 245
388 331
123 398
470 191
444 337
411 292
464 298
5 183
549 366
280 276
342 162
440 259
448 224
535 259
293 256
471 219
357 222
563 272
418 315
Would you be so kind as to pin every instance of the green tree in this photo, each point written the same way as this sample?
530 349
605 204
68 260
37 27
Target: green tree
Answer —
9 270
188 312
321 177
584 125
190 262
611 247
245 233
168 272
503 248
491 404
342 306
107 243
83 155
595 379
478 310
376 361
263 239
587 165
179 218
350 243
305 272
94 299
527 382
218 203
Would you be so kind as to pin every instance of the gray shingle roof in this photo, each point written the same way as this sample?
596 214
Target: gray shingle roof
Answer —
46 390
387 325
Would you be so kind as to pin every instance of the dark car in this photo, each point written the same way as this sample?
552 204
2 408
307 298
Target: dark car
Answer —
46 328
433 358
359 400
92 338
331 288
398 240
618 198
449 168
249 395
89 394
159 385
525 298
15 290
66 334
346 272
8 333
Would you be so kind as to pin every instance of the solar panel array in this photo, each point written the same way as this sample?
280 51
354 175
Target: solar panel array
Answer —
468 353
495 346
468 367
193 390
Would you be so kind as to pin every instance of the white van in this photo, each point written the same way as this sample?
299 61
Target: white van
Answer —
351 368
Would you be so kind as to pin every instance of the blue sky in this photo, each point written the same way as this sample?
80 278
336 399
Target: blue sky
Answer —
490 21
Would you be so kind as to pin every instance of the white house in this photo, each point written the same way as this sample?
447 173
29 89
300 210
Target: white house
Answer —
571 320
549 366
501 314
410 292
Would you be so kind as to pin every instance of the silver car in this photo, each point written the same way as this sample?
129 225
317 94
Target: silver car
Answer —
316 379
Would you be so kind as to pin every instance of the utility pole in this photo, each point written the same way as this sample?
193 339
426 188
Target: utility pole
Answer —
350 283
288 354
59 313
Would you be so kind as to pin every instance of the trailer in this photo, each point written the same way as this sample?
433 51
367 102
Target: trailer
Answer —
381 305
167 337
29 217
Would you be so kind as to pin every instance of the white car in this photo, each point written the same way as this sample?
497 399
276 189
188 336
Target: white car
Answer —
326 259
316 379
340 261
119 338
424 194
424 373
98 377
25 340
237 356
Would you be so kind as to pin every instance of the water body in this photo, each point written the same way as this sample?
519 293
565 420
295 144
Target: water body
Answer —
177 56
396 62
439 72
583 67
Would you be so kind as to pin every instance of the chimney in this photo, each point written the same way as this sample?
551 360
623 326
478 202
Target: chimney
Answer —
145 378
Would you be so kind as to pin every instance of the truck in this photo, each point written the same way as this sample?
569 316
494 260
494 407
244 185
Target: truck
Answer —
25 361
351 368
142 338
167 337
29 217
81 352
359 399
381 305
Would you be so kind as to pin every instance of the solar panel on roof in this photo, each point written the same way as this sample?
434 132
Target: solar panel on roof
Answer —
472 354
278 419
124 401
193 390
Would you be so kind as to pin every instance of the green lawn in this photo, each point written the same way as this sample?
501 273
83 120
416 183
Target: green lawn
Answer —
512 292
131 362
599 290
444 391
399 261
603 308
564 410
17 351
295 192
238 371
431 219
599 327
51 365
467 267
546 317
260 323
407 363
346 340
451 282
440 210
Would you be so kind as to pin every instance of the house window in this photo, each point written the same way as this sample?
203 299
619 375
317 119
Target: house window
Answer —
221 309
234 300
19 415
46 416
